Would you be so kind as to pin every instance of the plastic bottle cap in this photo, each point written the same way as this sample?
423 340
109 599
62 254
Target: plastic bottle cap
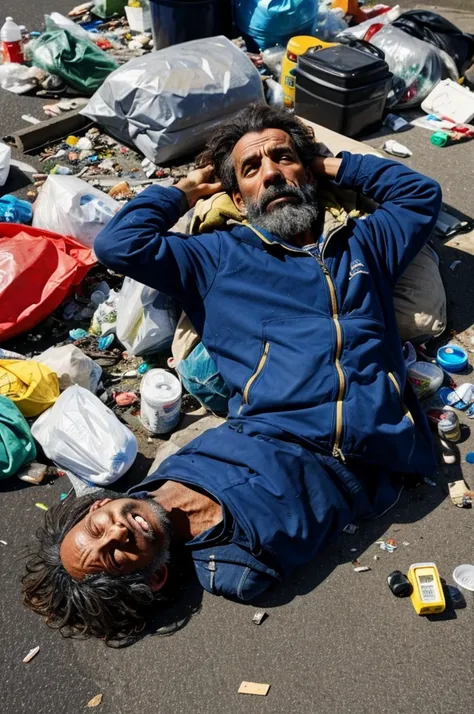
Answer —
452 357
439 138
470 457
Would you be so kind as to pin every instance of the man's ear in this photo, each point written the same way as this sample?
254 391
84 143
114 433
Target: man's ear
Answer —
239 202
158 579
99 504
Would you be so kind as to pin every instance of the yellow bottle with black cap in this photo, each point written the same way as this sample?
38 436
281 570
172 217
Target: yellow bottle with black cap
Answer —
297 46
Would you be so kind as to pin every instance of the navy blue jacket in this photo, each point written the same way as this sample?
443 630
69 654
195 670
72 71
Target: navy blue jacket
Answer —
307 344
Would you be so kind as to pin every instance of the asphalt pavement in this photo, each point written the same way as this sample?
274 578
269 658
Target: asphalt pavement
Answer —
335 641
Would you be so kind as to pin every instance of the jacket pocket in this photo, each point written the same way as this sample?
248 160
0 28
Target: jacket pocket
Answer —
257 372
406 411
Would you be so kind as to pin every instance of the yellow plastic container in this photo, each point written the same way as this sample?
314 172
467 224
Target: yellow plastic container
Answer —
297 46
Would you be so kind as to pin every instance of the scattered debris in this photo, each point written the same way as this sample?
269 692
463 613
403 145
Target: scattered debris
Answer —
95 701
32 653
351 529
259 617
362 569
455 264
464 576
42 506
405 543
124 399
3 542
429 481
390 545
396 149
399 584
33 473
254 688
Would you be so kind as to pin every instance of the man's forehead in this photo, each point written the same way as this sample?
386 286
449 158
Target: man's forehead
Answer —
72 547
253 141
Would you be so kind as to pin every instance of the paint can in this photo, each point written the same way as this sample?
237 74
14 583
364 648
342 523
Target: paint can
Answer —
160 401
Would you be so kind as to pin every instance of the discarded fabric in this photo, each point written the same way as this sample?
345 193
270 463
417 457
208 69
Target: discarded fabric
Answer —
82 435
32 386
201 378
39 269
15 210
17 446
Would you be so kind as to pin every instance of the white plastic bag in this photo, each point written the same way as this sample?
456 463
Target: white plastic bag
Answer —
69 206
417 65
169 102
80 434
5 158
385 18
146 318
72 367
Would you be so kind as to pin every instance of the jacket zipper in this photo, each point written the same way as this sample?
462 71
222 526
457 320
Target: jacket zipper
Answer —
260 366
406 411
336 450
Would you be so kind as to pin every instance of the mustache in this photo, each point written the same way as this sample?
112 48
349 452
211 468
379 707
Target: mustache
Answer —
284 191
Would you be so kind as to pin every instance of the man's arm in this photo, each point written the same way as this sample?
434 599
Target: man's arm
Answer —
136 242
409 205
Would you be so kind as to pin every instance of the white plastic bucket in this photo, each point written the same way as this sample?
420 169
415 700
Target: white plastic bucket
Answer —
161 401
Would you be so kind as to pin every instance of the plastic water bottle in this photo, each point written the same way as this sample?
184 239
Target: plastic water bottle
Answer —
12 42
14 210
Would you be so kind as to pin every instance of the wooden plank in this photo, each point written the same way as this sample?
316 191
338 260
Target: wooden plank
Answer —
254 688
32 138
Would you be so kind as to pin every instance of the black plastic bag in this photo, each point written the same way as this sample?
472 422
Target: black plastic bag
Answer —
438 31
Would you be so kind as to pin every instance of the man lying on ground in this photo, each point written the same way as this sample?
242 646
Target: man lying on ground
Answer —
301 325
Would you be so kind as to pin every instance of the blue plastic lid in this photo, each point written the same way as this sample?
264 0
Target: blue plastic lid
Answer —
452 358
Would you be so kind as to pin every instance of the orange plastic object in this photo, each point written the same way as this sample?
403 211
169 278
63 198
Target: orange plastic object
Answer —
38 269
351 8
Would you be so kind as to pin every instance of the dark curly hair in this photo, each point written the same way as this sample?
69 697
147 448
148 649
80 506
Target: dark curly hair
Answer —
254 118
113 608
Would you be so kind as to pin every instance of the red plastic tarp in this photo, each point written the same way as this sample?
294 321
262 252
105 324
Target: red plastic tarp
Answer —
38 269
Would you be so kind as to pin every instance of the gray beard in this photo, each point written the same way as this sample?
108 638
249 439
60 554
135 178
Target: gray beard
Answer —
286 220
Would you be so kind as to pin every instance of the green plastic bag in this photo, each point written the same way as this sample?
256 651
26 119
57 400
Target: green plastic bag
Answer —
78 61
107 8
17 446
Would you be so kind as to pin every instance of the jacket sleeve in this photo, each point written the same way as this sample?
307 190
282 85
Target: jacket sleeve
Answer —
136 243
409 204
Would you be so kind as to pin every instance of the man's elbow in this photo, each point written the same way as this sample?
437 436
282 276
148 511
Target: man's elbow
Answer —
104 249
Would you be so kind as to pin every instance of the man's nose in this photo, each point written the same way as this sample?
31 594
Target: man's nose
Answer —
272 174
118 533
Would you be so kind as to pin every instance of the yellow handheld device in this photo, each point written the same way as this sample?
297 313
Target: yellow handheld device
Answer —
427 597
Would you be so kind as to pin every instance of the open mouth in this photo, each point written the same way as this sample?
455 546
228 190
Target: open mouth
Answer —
139 525
281 199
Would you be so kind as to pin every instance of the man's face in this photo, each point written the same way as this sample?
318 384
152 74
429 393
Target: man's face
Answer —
117 536
276 191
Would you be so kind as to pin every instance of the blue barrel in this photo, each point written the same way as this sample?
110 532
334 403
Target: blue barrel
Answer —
175 21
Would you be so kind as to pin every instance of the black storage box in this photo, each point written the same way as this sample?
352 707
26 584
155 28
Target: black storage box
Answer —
342 88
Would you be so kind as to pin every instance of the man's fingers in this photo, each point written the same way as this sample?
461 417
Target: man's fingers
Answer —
211 187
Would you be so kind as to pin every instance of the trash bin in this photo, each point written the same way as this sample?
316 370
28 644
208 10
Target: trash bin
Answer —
175 21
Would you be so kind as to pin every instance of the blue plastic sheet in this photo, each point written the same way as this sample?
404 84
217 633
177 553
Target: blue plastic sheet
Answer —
274 22
200 377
